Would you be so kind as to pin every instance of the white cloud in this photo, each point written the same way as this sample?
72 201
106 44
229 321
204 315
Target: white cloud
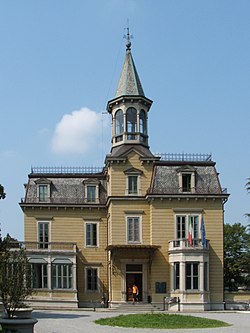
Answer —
78 132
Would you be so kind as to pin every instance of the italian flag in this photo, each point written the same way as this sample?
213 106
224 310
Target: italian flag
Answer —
190 231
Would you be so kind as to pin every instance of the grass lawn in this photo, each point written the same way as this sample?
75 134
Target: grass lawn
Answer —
160 320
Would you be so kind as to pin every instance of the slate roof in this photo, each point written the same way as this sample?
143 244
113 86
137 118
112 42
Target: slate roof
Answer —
165 179
65 189
124 149
129 83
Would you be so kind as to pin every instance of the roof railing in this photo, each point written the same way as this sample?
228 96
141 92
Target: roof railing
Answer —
187 157
66 170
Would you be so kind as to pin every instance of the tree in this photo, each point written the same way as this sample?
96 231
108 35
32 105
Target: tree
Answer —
15 275
248 190
2 193
236 255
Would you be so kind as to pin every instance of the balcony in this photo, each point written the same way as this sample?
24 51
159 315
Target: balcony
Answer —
182 245
48 247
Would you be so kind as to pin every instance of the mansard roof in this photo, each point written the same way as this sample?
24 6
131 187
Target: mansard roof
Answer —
65 189
165 179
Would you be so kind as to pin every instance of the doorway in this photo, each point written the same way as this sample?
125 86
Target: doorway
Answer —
134 276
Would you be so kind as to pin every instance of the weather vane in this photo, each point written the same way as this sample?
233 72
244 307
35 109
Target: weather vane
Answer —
128 37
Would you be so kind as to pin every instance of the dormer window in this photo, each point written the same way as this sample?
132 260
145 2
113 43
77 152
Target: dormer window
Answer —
186 176
91 190
133 182
186 182
43 192
43 189
91 193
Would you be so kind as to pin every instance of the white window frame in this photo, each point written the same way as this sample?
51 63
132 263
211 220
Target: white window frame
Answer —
96 223
192 181
134 174
186 216
192 276
43 275
97 278
60 276
47 194
95 184
43 244
139 241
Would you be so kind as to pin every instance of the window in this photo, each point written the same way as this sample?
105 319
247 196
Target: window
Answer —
43 235
91 190
176 275
192 276
61 276
91 193
91 279
43 189
186 177
133 181
133 230
39 275
186 182
132 184
43 192
143 127
119 124
91 234
131 123
181 227
185 224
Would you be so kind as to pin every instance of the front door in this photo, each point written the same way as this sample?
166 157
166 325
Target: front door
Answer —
134 276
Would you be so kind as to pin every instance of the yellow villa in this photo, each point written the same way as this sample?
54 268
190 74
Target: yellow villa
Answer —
151 220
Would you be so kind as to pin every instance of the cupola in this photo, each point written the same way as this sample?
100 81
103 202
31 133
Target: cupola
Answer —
129 108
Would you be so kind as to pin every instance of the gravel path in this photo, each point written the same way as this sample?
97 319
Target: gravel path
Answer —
81 321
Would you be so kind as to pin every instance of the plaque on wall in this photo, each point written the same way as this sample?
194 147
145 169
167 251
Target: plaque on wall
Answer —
160 287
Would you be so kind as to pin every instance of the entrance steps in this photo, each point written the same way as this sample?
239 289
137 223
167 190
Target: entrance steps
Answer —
134 308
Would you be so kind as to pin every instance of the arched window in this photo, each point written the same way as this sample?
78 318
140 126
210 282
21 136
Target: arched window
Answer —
131 122
143 124
119 128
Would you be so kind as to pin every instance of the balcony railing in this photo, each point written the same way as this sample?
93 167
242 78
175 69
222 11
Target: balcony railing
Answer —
183 244
47 246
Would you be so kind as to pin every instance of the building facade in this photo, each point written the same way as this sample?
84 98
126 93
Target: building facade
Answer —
152 220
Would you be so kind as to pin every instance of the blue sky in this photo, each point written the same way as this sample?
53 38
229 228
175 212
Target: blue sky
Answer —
60 63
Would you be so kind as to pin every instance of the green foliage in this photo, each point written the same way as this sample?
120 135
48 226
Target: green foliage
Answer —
160 321
236 255
248 190
15 275
2 194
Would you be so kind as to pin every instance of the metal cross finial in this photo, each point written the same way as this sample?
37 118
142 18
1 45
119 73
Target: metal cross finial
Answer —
128 38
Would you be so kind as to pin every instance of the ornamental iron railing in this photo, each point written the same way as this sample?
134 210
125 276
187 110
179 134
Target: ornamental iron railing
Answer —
66 170
186 157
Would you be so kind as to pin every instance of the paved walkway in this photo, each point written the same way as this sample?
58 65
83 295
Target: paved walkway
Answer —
81 321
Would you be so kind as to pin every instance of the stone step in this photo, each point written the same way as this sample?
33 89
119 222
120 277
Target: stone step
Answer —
137 307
